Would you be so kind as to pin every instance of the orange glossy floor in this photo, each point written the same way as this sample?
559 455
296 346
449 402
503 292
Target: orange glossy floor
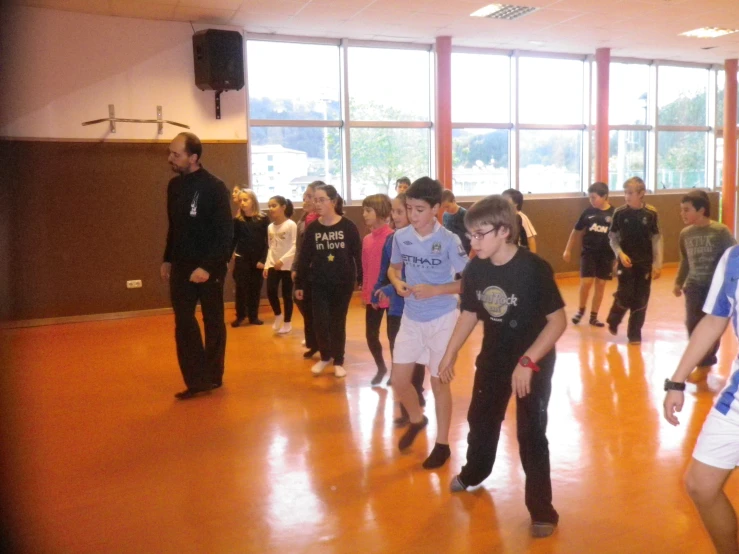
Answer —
104 460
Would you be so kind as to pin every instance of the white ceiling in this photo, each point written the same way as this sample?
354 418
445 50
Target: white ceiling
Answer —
631 28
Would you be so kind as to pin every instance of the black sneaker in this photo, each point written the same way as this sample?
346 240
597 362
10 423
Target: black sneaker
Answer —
256 321
310 353
595 323
438 457
379 376
578 316
187 394
237 322
410 435
613 329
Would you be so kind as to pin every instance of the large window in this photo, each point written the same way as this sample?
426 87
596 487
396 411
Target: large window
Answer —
295 116
628 118
550 161
390 117
481 118
682 127
360 115
381 155
627 157
681 162
550 91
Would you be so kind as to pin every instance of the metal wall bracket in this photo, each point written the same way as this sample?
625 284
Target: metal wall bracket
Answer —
112 120
218 104
111 115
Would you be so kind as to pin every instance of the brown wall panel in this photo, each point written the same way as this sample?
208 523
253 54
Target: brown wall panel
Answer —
79 219
89 216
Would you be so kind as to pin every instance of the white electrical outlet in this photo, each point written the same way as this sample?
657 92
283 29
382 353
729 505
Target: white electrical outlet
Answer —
135 284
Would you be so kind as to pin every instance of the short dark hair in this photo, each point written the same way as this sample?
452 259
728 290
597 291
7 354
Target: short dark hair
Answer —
403 180
493 210
447 196
192 144
516 196
427 189
282 201
599 188
699 199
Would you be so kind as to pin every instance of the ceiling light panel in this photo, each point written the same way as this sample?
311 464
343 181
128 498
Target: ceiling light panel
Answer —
503 11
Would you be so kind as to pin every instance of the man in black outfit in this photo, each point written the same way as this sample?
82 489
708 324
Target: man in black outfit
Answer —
195 263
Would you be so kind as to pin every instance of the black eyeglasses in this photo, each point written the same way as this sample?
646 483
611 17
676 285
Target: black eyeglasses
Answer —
479 236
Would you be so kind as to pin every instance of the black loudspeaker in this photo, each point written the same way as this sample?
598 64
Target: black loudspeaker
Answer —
219 59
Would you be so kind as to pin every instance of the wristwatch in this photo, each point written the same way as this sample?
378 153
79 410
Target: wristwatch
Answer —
674 385
525 361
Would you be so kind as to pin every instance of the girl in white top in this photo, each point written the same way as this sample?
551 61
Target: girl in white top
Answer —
282 234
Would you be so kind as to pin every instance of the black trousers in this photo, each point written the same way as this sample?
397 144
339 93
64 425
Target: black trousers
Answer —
248 279
274 278
419 371
372 322
305 306
201 365
486 414
632 294
330 306
695 297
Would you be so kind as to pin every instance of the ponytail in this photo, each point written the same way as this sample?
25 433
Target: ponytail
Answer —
289 209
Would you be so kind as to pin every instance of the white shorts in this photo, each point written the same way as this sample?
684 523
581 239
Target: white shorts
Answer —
718 442
424 342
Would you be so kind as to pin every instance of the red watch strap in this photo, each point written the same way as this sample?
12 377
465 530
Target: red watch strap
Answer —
525 361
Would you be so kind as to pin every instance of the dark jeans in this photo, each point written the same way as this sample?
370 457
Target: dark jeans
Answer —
632 294
330 306
419 371
695 297
274 278
306 308
248 279
201 366
486 414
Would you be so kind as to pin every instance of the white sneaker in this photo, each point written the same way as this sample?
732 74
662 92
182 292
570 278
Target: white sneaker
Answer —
319 366
302 342
339 371
285 329
278 322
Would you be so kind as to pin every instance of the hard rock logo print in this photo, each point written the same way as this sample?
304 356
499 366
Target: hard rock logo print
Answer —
496 301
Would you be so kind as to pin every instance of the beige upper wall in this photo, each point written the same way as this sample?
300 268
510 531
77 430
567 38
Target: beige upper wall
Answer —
61 68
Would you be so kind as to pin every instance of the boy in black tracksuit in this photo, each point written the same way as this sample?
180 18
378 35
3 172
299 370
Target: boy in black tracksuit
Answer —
514 293
637 241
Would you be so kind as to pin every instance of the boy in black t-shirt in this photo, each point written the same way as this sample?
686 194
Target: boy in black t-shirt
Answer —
596 258
453 218
513 291
637 241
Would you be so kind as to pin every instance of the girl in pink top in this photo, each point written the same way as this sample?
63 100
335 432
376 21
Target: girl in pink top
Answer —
376 212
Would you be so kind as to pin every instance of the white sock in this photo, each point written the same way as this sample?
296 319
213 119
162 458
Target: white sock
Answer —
319 366
278 322
286 328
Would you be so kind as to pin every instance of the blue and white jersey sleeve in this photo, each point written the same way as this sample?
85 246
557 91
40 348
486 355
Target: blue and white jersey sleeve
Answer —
457 254
396 257
721 299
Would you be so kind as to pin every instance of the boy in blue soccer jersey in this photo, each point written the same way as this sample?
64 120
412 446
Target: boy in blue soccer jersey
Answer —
431 255
716 453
